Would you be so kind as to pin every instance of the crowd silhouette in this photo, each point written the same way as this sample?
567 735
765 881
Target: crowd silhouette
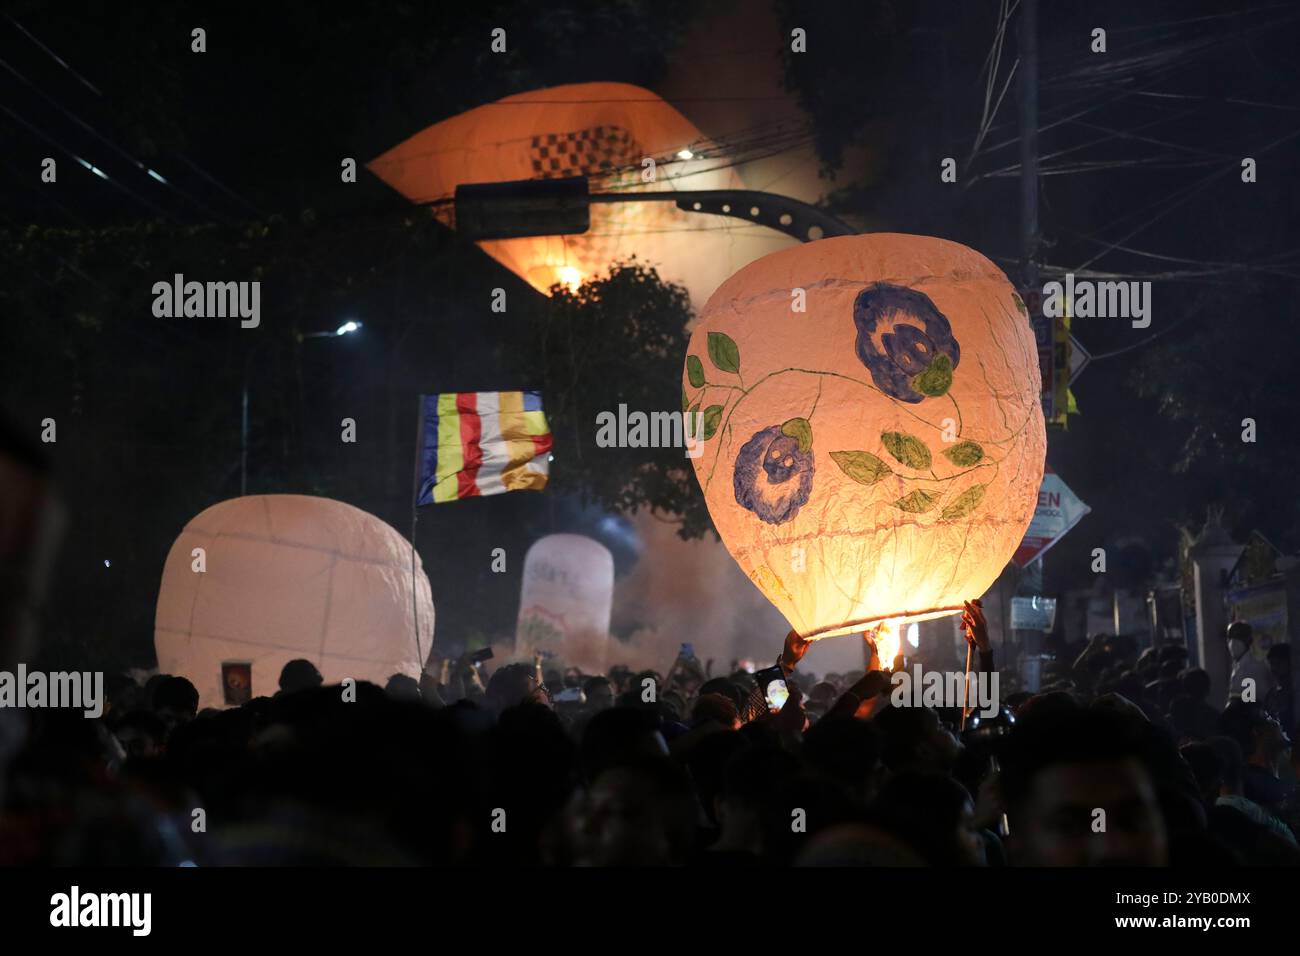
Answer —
1121 758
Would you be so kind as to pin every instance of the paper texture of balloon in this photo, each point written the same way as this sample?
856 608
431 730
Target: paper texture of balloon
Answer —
565 602
875 459
281 577
605 131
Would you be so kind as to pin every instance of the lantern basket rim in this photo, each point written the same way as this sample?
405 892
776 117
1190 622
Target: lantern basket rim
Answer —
861 624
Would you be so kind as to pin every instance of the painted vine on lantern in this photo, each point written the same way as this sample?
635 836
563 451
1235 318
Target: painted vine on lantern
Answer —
908 346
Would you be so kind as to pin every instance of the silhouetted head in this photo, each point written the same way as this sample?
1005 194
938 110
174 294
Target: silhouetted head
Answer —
1079 791
1255 730
1240 631
640 813
716 708
299 675
618 736
846 750
599 692
1196 683
932 814
915 739
175 700
514 684
402 687
726 687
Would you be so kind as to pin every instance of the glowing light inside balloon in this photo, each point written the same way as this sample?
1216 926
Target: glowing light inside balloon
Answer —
569 277
887 642
873 436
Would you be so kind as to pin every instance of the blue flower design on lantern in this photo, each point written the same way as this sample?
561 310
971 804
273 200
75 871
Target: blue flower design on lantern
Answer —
773 477
905 342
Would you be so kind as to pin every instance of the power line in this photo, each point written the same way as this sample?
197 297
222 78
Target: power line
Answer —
104 139
1191 192
202 172
89 166
54 56
992 63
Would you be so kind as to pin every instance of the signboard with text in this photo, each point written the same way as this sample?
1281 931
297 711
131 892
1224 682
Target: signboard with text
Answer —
1059 510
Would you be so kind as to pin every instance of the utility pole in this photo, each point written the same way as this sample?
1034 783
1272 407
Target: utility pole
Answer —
1031 578
1028 39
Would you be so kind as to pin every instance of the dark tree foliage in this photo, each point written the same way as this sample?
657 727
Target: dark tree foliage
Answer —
1207 380
841 80
616 340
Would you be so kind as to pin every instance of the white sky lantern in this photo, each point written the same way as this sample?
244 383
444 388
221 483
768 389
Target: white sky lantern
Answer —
284 577
564 605
873 433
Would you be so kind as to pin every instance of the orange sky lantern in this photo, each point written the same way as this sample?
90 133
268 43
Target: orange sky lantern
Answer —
605 131
874 459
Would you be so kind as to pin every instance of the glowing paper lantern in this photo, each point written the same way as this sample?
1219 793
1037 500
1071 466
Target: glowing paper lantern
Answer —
875 459
604 131
284 577
564 605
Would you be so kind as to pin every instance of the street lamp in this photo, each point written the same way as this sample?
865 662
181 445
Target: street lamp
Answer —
347 328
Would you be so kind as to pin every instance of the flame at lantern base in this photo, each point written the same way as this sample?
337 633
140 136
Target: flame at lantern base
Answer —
887 637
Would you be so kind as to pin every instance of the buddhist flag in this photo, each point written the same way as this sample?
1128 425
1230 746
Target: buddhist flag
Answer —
481 443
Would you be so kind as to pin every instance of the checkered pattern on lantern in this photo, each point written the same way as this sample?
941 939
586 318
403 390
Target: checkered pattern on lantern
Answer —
610 155
588 152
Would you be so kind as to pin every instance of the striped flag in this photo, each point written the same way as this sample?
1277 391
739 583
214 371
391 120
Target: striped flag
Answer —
482 443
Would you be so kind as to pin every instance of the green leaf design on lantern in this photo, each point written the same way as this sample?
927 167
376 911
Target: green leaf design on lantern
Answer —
712 418
964 453
908 449
964 503
693 426
917 502
936 379
694 371
686 402
1020 304
723 352
799 428
862 466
